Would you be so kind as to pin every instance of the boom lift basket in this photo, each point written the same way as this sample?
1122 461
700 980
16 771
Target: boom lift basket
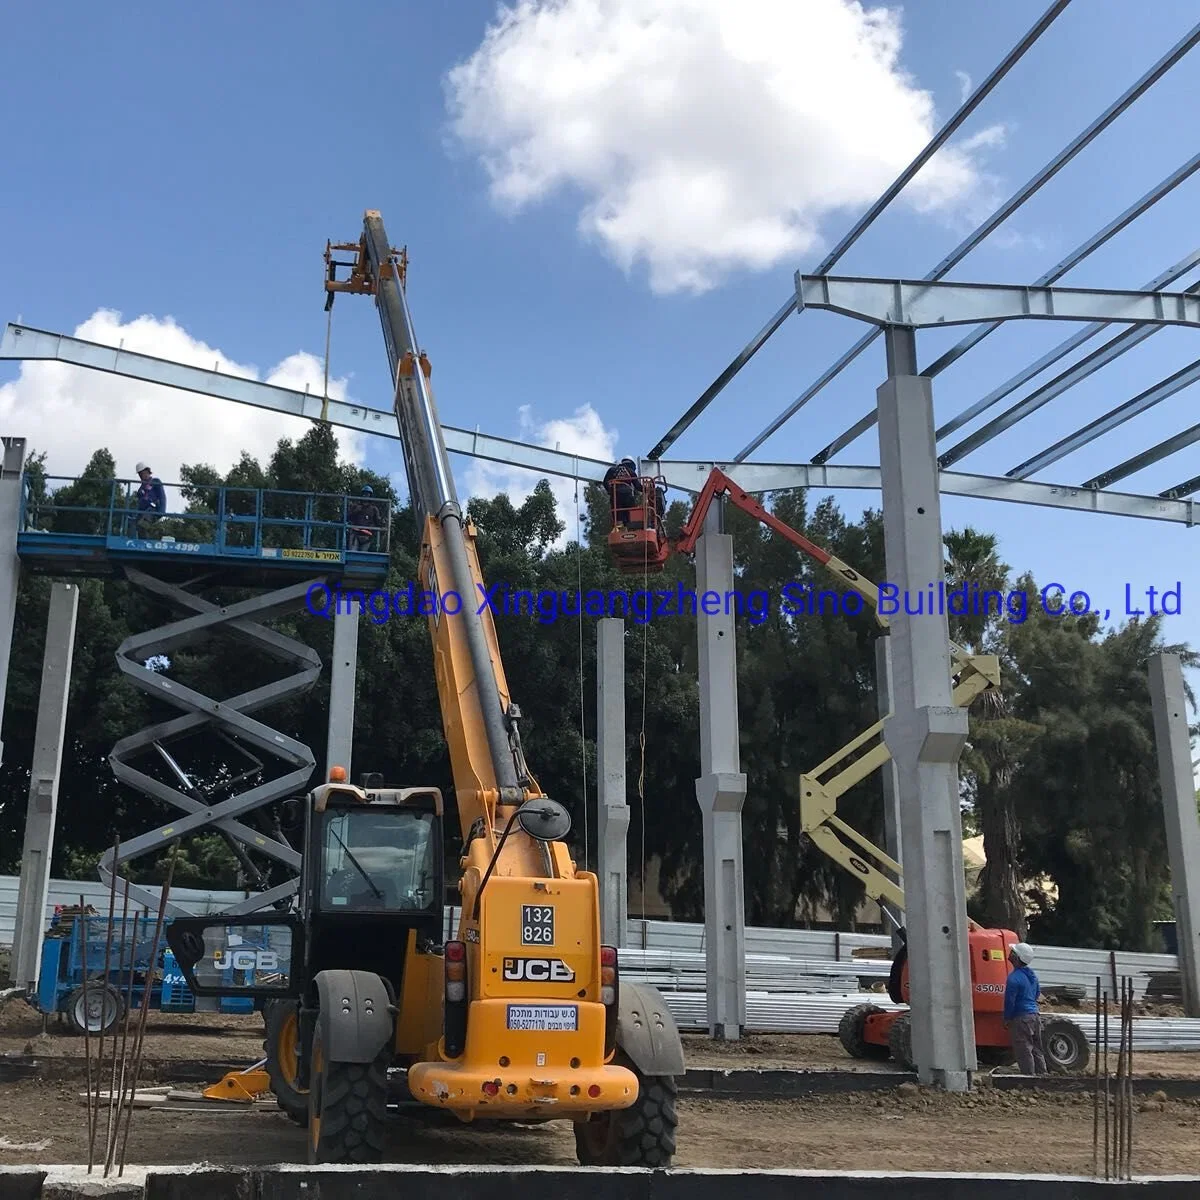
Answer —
637 541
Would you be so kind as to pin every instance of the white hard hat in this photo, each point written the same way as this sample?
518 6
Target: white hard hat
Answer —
142 467
1024 951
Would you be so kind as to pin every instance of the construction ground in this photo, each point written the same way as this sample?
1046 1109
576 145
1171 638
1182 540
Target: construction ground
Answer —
897 1126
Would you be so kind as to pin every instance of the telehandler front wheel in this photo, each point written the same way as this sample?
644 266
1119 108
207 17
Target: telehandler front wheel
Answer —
281 1048
640 1136
347 1107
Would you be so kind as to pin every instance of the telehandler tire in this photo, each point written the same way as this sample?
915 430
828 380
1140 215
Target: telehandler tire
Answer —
280 1047
347 1107
642 1135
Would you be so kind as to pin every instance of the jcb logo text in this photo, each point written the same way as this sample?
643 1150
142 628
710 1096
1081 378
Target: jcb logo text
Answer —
246 960
537 970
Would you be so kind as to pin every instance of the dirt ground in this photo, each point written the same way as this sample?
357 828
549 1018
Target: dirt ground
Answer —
223 1038
987 1131
905 1129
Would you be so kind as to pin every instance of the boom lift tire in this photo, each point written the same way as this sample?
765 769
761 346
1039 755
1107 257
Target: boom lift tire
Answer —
347 1107
900 1041
642 1135
852 1031
1065 1045
280 1046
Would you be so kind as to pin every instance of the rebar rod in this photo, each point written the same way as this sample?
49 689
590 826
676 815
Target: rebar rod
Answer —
87 1014
141 1029
1107 1097
1129 1103
112 910
121 1095
112 1090
1096 1090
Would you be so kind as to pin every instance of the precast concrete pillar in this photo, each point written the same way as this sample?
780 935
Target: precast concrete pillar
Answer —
42 809
721 788
926 732
612 802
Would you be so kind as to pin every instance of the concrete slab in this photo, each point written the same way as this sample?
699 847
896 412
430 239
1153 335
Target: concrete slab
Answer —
205 1182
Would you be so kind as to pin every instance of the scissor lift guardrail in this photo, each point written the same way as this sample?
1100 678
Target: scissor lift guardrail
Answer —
240 537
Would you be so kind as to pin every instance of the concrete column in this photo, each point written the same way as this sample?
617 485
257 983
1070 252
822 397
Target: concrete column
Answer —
926 733
11 470
721 788
343 668
42 810
1169 702
887 773
612 803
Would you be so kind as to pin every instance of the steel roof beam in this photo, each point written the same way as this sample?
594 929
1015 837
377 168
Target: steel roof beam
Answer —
1147 458
1183 378
1060 351
1163 188
868 218
1077 373
920 304
21 342
1002 214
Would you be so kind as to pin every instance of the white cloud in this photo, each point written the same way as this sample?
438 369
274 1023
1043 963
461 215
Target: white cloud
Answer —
71 412
964 85
702 136
584 434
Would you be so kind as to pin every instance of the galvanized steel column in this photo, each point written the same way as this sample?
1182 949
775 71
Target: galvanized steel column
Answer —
926 732
612 803
1179 812
43 785
721 788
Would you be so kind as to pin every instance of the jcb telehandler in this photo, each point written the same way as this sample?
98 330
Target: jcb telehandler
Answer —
522 1014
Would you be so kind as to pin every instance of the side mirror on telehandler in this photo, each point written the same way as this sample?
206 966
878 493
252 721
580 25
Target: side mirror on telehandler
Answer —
541 818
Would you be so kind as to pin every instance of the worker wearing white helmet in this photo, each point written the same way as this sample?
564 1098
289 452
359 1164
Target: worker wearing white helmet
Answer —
1021 1015
151 500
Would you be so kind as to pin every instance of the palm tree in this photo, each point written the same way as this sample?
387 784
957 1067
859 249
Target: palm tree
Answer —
997 738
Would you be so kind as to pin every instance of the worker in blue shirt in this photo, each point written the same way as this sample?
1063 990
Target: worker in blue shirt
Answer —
1021 1016
151 501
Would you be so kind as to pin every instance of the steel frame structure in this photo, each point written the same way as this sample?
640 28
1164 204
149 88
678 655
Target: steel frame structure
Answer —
22 342
927 732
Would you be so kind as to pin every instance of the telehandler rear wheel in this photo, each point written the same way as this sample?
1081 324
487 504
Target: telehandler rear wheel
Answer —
347 1107
640 1136
281 1047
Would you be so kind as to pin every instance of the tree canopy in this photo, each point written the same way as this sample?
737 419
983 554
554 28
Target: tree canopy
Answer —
1059 775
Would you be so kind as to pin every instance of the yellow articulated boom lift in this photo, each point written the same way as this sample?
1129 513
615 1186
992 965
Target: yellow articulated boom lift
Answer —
521 1016
638 543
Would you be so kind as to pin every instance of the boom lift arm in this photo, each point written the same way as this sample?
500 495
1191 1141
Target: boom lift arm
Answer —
973 674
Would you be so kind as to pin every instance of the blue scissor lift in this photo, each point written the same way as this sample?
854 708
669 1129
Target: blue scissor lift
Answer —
270 545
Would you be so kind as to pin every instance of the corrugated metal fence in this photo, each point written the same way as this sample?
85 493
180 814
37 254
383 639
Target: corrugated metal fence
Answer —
68 891
671 953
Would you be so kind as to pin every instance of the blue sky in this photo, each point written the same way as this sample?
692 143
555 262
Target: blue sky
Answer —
189 163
